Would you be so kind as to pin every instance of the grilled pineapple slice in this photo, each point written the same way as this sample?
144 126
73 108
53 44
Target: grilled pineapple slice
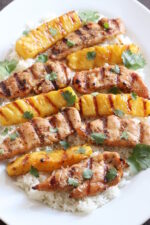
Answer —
40 105
107 104
44 36
97 56
47 162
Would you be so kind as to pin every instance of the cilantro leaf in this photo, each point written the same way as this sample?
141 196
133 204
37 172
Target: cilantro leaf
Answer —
34 171
5 131
111 174
25 32
28 115
1 151
53 31
114 90
134 95
124 135
42 58
64 144
119 112
53 130
13 136
116 69
94 94
89 16
87 174
140 157
48 149
7 67
81 150
69 97
73 182
98 137
106 26
70 43
132 60
91 55
51 77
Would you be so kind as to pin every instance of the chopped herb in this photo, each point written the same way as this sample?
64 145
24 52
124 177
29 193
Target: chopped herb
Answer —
51 77
7 67
111 174
1 151
5 131
64 144
106 25
69 97
28 115
25 32
81 150
124 135
48 149
118 112
94 93
13 136
87 174
70 43
73 182
53 130
134 95
42 58
34 171
140 157
89 16
116 69
98 137
132 60
114 90
91 55
53 31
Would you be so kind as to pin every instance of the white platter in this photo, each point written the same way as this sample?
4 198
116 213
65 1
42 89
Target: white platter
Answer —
132 206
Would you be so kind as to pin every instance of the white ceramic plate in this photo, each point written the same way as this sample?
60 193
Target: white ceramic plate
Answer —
132 207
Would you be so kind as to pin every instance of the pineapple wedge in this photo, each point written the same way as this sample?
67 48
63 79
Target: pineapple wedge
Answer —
97 56
47 162
47 34
107 104
41 105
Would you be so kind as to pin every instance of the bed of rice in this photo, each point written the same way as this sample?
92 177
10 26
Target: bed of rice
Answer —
60 200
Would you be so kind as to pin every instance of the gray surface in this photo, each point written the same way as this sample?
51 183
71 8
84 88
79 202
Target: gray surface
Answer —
3 3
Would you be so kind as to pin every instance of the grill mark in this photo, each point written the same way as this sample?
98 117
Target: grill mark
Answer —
32 72
104 119
78 32
55 51
20 83
88 129
5 90
50 102
53 181
90 161
3 115
67 117
129 103
141 133
18 107
38 132
64 157
52 122
49 69
95 104
64 40
64 69
144 107
29 102
116 22
21 135
102 71
85 27
111 102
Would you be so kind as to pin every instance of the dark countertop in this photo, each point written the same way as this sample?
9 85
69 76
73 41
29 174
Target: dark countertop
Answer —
3 3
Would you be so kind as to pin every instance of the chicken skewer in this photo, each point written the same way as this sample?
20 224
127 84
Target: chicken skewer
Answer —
86 36
39 78
40 132
86 178
110 76
116 131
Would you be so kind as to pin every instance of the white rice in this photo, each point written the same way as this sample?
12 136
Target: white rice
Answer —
59 200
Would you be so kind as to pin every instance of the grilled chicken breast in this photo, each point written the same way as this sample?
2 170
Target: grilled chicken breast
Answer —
115 131
86 36
35 79
82 185
110 76
40 132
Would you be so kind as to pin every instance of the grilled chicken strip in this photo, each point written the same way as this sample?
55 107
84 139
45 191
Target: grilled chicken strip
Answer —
34 79
110 76
115 131
86 36
84 186
40 132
